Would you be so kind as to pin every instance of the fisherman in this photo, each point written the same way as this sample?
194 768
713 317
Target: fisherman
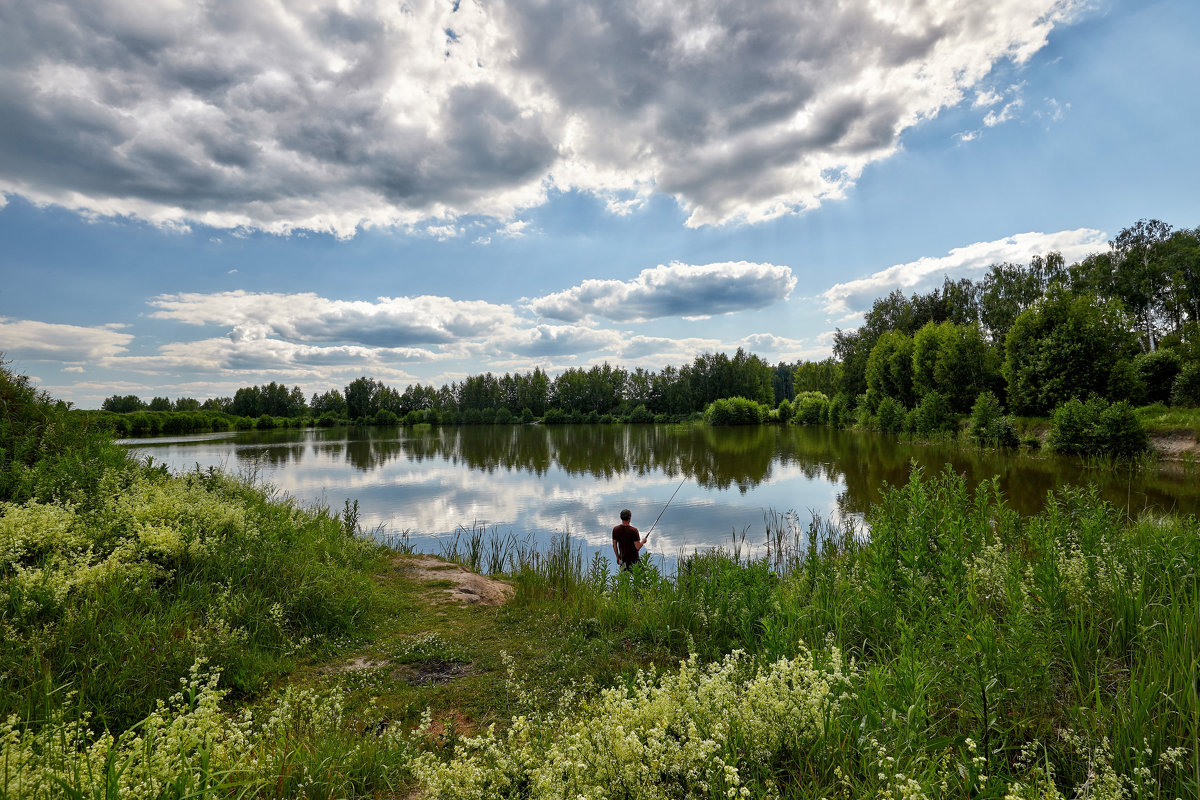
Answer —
626 541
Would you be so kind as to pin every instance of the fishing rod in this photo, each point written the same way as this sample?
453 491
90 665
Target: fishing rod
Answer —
664 508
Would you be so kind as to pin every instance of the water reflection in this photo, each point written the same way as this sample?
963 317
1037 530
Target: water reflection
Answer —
535 480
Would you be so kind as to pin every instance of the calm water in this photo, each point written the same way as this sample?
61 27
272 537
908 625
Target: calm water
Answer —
536 481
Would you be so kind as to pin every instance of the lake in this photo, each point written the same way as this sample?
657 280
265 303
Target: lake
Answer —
536 481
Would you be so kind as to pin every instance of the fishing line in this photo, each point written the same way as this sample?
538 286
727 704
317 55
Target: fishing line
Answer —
664 508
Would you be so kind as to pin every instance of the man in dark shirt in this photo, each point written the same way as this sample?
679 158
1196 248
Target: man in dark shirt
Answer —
626 541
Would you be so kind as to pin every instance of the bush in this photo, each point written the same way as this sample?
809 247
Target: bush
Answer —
1121 432
841 411
554 416
46 452
931 416
810 408
1096 428
785 411
641 415
1186 390
527 415
472 416
327 420
265 423
503 416
1156 373
989 427
890 418
735 411
386 416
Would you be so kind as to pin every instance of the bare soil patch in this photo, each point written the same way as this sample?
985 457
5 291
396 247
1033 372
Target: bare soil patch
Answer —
1175 444
425 673
455 583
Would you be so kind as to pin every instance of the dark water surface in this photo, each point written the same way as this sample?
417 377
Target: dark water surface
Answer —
537 481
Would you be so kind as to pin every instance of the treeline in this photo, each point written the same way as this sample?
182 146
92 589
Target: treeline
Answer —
602 393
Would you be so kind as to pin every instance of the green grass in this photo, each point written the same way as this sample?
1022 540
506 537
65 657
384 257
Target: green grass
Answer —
1159 418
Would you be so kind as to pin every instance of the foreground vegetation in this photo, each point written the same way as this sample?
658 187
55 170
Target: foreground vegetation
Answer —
192 636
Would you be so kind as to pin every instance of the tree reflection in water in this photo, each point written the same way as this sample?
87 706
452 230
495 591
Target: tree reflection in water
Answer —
538 478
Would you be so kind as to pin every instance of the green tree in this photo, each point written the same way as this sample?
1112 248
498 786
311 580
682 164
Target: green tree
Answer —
1140 279
123 404
1065 346
331 402
362 398
928 343
890 367
965 366
823 376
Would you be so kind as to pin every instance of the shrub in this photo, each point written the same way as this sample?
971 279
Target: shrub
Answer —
734 411
265 423
932 415
1096 428
641 415
527 415
503 416
1186 390
989 427
472 416
554 416
386 416
841 411
327 420
1156 373
45 451
890 418
785 410
811 408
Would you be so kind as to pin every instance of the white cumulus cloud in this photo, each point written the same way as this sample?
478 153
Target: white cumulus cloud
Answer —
332 117
308 317
970 261
50 341
672 290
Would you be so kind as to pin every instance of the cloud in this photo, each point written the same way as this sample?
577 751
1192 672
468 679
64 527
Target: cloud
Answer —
262 354
291 116
674 290
47 341
986 98
998 116
556 340
853 297
768 345
307 317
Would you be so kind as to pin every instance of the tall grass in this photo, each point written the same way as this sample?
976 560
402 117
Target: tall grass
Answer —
1061 645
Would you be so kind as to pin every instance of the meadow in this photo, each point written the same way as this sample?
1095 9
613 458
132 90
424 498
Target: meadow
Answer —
199 635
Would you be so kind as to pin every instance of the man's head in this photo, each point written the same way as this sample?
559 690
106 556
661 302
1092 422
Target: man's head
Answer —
626 515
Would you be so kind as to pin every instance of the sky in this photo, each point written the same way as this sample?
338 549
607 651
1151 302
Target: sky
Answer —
196 197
